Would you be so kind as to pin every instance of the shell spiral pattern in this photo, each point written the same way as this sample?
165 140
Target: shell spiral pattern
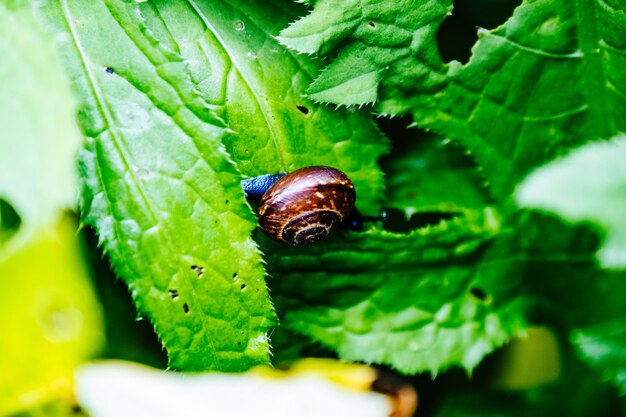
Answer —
305 205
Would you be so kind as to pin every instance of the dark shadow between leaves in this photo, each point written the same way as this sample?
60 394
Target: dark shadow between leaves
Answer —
10 221
459 32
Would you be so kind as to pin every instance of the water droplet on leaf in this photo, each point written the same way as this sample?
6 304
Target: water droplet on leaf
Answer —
239 26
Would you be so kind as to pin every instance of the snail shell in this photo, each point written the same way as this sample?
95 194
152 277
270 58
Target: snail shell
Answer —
305 205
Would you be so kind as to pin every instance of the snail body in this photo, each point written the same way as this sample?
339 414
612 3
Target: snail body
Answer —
257 186
305 205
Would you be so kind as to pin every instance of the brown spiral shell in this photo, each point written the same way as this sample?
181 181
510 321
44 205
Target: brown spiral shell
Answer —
306 204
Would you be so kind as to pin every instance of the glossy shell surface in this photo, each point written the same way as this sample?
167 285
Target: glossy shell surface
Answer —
306 204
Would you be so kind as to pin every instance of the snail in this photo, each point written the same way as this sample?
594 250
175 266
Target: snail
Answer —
303 206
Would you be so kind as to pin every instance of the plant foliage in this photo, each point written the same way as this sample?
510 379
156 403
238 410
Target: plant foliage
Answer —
501 180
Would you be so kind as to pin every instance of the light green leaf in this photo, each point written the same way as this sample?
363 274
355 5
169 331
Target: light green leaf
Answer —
39 138
49 316
419 302
323 28
589 184
160 188
387 50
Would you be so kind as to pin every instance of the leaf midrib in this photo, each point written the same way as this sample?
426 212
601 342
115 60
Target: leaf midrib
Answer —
595 76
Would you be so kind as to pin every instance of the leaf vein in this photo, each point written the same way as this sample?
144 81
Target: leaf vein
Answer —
534 51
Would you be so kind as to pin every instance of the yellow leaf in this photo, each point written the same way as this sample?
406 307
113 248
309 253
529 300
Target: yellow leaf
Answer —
49 318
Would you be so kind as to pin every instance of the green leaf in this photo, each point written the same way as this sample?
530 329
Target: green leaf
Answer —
161 91
549 79
257 87
585 303
512 106
387 50
598 323
38 133
603 346
419 302
429 174
50 319
159 187
578 392
589 184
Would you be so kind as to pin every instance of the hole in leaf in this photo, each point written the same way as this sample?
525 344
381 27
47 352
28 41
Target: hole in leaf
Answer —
243 287
109 70
458 32
173 294
186 308
371 24
303 109
430 218
479 293
199 270
395 220
235 276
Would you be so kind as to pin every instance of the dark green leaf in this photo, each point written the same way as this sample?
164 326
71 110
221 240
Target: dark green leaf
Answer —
604 347
573 295
419 302
387 51
547 80
429 174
